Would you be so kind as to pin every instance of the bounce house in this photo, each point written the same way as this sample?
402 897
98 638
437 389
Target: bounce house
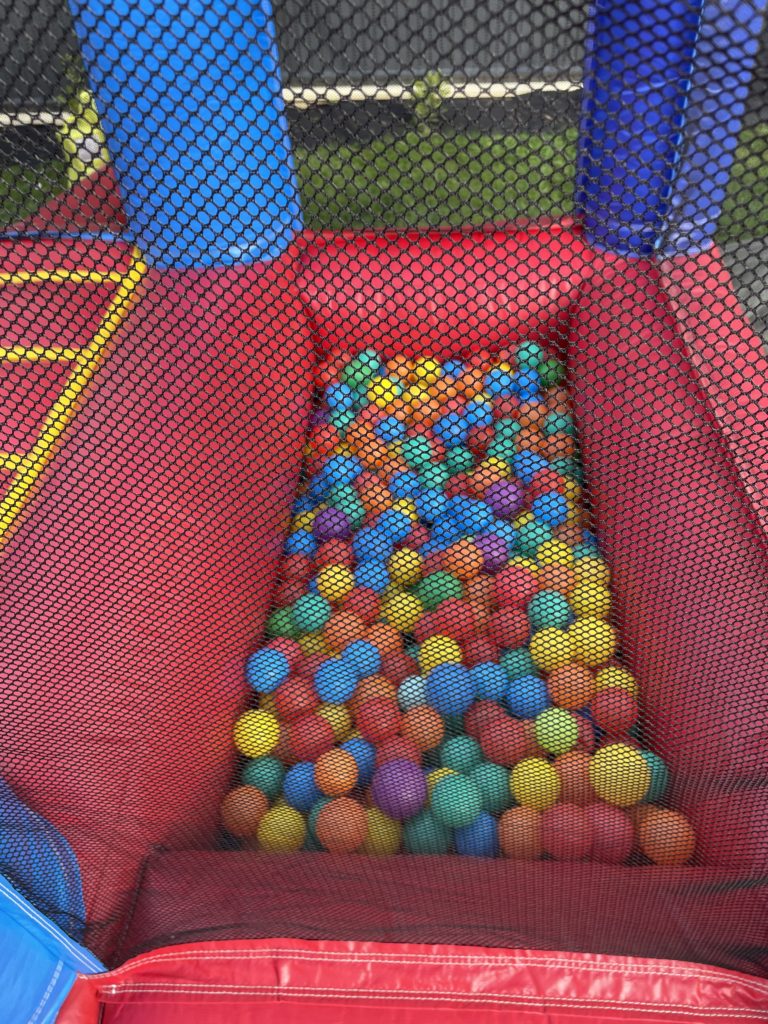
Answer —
384 608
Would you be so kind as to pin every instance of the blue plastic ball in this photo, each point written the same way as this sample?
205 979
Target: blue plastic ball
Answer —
453 369
431 503
478 839
450 689
405 484
490 681
362 657
371 545
659 777
334 681
299 787
364 754
527 464
391 430
394 525
412 693
527 696
550 508
266 669
373 576
300 543
342 469
340 396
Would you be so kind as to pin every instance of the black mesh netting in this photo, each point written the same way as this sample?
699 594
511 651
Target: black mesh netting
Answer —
407 581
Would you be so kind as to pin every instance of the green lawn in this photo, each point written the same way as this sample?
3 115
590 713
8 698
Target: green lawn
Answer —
441 178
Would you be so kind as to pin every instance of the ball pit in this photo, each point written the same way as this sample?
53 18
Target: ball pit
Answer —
441 671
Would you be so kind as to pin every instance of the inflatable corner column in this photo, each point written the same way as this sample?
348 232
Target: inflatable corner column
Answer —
665 86
189 96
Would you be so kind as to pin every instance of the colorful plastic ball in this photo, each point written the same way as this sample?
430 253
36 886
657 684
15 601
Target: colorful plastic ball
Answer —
554 552
363 657
378 719
527 696
587 738
551 648
613 836
548 609
614 710
557 731
505 497
508 627
266 774
659 777
398 748
425 834
405 567
385 637
399 789
573 771
464 560
550 508
300 543
532 537
294 698
535 783
619 775
590 599
462 753
256 733
330 523
309 737
364 754
364 603
334 681
438 650
372 575
384 836
382 391
342 629
334 582
412 693
342 825
456 801
311 612
494 550
482 713
666 837
450 689
242 809
371 688
336 773
571 686
515 586
593 571
281 830
492 781
402 611
504 741
489 681
299 787
551 372
266 669
613 675
517 663
478 839
566 832
439 586
520 833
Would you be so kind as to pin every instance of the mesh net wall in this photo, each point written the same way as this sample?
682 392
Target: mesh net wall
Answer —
407 581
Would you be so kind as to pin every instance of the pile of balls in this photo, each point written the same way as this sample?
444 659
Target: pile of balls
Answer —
440 673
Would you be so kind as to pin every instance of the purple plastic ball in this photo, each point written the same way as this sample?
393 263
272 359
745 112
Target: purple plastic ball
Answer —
505 498
494 551
330 523
399 789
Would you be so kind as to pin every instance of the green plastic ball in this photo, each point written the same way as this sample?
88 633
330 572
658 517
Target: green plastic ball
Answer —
280 623
456 801
549 609
341 419
361 370
531 536
530 355
503 449
461 753
425 834
346 500
557 731
551 373
569 467
517 663
311 612
436 588
493 782
435 475
458 460
266 774
312 843
659 777
558 423
417 452
506 429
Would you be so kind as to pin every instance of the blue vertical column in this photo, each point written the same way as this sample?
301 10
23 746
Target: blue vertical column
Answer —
189 96
664 89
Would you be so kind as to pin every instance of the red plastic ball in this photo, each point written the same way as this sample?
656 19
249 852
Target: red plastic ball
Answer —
612 832
545 480
480 650
335 552
515 586
295 698
482 713
456 618
614 710
566 832
378 719
364 603
509 627
398 748
504 741
309 737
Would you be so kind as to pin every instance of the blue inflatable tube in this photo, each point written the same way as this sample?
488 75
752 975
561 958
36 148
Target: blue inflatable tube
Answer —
189 96
664 91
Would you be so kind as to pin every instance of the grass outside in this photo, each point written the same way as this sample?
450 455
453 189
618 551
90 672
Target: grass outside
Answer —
441 179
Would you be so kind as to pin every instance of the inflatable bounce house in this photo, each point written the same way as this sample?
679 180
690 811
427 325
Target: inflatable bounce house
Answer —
384 611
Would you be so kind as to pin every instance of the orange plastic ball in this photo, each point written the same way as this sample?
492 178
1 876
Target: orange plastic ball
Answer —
342 825
561 578
336 773
342 628
480 591
666 837
520 833
573 769
571 686
424 726
371 688
464 560
241 811
385 637
532 414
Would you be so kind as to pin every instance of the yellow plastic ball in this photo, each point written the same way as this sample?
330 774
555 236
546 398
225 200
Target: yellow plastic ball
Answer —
416 393
438 650
496 465
403 611
572 491
592 570
304 521
590 599
434 777
384 835
407 507
334 582
383 392
619 774
534 782
281 830
313 643
522 520
550 648
426 371
594 641
405 566
615 676
554 552
524 563
256 733
339 719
